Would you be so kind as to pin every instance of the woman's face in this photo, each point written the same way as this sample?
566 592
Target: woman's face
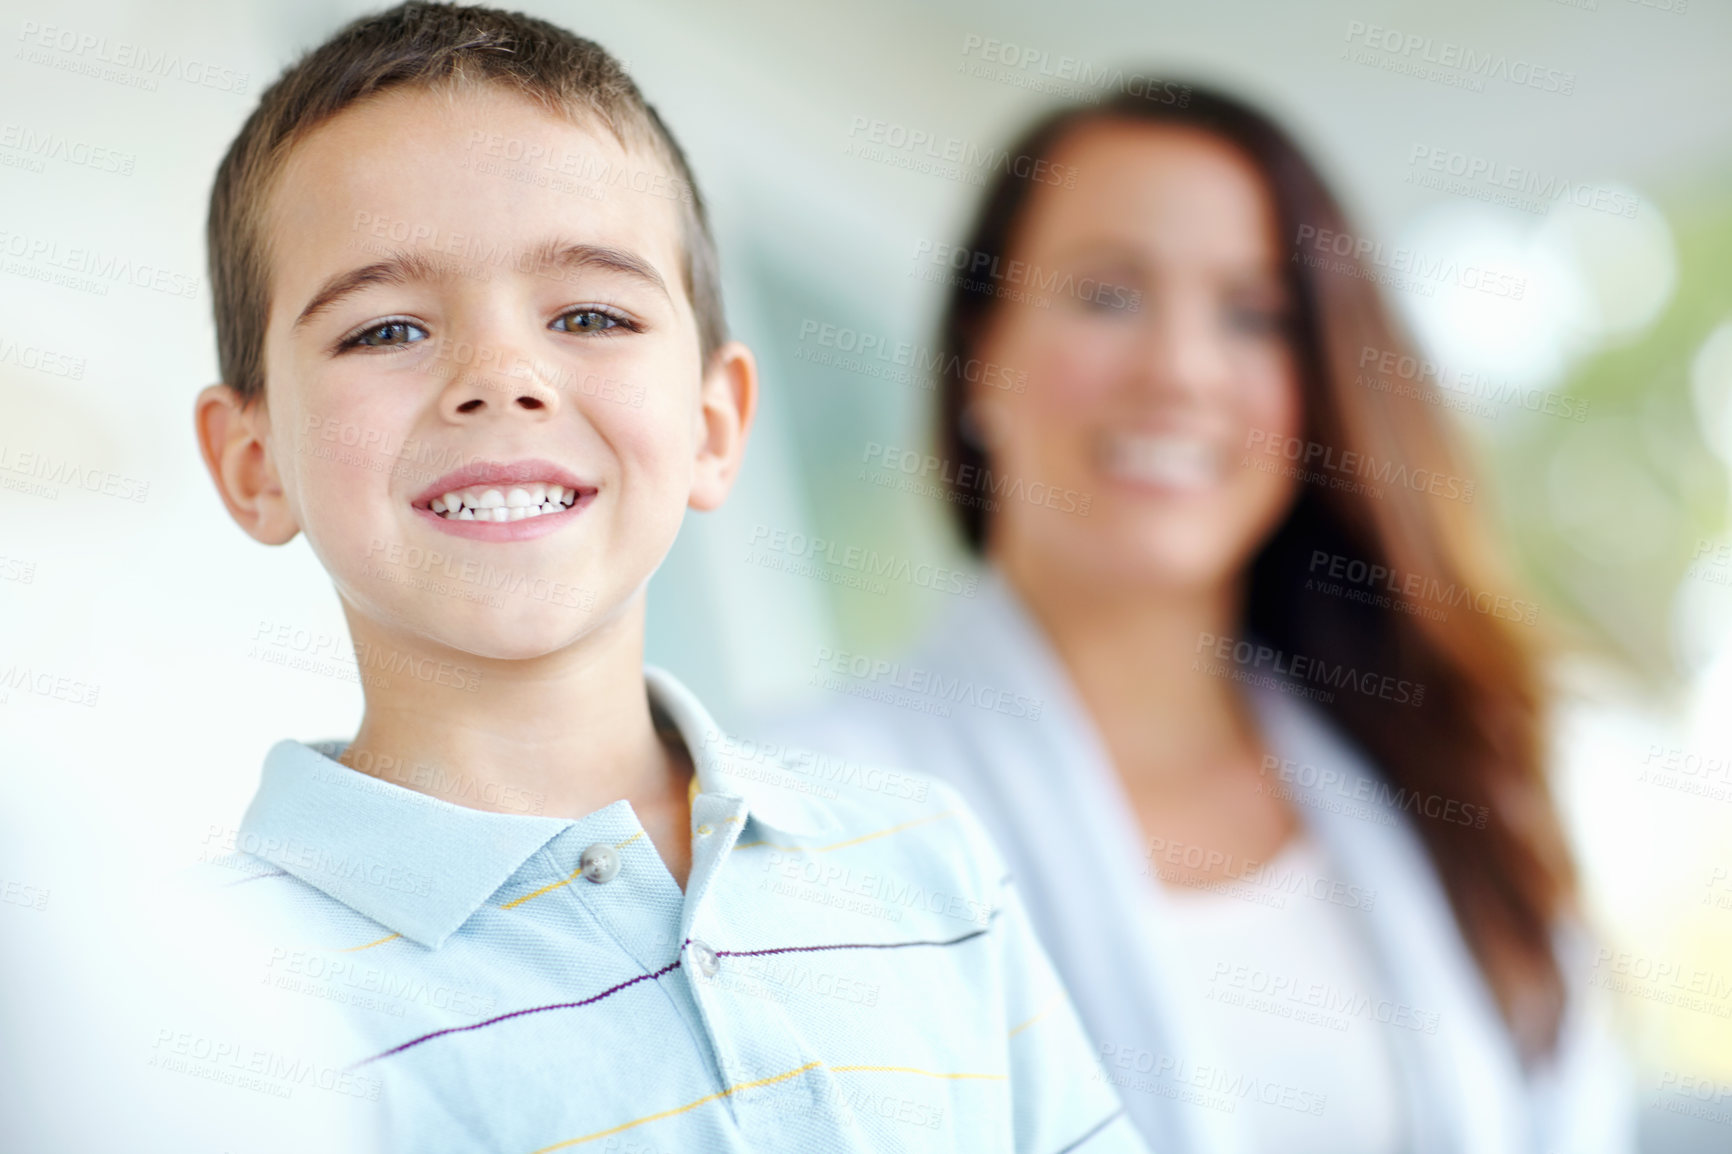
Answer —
1153 332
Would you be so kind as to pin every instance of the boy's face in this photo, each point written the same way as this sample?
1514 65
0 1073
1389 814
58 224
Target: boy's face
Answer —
522 334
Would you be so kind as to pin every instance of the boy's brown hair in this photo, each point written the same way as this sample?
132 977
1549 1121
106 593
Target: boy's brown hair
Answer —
426 45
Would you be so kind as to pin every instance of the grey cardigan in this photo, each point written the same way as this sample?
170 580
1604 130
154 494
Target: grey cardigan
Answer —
1019 747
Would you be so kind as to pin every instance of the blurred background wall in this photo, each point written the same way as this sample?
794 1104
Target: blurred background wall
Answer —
1600 402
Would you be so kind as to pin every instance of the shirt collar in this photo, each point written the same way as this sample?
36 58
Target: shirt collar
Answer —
420 866
776 793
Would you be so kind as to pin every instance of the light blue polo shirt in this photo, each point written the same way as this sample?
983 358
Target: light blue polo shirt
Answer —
849 968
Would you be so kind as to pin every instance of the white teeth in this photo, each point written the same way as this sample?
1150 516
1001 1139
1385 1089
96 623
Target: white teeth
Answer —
514 503
1171 461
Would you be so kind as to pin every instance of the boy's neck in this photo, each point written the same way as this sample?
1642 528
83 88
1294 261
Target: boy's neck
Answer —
561 735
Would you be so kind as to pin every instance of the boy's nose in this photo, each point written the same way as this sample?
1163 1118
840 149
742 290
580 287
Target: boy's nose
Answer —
475 394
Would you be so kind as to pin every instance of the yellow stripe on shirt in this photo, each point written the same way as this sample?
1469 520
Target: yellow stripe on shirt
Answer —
369 945
851 841
575 874
752 1085
679 1109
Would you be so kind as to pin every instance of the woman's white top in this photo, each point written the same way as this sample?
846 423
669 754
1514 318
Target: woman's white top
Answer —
1283 982
996 716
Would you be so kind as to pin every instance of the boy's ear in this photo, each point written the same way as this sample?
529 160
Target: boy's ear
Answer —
233 438
729 400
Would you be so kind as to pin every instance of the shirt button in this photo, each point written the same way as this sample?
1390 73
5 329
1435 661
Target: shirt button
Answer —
705 958
705 831
600 862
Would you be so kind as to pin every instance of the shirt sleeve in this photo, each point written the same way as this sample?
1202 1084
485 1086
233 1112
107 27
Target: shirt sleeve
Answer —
1060 1096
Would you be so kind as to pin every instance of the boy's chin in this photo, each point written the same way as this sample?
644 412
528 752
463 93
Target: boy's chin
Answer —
516 638
536 620
503 632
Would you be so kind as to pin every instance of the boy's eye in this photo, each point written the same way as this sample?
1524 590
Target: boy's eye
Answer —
586 321
387 335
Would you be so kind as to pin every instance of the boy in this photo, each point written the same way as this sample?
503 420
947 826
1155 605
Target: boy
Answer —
470 331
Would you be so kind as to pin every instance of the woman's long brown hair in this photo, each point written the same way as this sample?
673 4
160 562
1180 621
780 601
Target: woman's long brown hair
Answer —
1477 738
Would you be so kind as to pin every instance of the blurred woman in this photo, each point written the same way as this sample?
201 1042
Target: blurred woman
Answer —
1243 696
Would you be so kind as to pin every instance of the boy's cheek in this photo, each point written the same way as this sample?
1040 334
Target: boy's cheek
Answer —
651 452
341 499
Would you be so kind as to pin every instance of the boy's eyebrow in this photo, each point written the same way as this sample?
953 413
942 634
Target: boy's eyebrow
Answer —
567 257
411 267
398 268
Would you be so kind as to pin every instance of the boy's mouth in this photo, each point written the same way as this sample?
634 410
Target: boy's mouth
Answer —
488 493
511 503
